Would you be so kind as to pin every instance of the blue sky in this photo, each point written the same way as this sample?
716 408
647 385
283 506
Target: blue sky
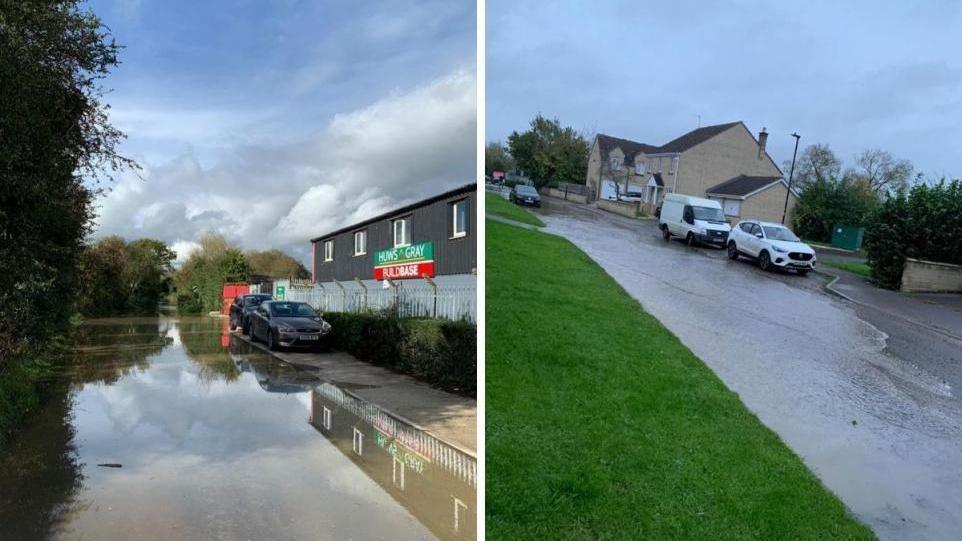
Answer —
853 75
302 115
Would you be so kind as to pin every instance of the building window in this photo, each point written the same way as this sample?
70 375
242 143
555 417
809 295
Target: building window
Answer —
326 419
640 168
615 163
360 242
402 232
659 165
460 222
397 473
328 250
733 207
674 165
358 442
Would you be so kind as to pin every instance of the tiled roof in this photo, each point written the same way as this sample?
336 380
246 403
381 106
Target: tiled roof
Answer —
741 185
607 143
694 137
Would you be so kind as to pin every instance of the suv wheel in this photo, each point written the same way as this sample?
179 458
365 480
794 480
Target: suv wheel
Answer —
765 261
246 328
233 323
270 340
732 251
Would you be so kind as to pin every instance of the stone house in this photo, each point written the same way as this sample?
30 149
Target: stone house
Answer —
724 162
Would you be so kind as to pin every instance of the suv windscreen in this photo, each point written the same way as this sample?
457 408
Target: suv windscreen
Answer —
780 233
292 309
254 301
708 214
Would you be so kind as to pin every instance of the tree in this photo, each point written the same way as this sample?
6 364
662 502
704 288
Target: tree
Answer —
497 158
883 173
122 278
549 152
275 264
827 202
817 162
200 280
54 133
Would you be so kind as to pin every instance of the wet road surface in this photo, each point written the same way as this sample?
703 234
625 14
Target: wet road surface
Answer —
170 428
880 425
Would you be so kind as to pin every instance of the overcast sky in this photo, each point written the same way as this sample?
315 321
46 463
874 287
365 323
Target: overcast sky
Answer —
854 75
274 122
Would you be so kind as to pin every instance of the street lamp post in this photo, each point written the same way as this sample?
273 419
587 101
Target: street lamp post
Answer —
791 174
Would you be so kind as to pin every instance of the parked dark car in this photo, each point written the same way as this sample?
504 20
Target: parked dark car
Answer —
522 194
242 307
288 324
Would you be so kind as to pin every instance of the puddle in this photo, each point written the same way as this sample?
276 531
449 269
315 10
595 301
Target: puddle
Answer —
207 438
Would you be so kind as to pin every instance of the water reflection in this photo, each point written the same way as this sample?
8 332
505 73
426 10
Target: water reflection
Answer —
207 453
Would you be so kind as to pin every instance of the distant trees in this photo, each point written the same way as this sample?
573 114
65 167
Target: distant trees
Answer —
54 132
548 152
200 280
829 195
497 158
276 264
117 277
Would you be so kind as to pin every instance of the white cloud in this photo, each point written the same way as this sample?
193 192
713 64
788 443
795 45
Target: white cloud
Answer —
405 146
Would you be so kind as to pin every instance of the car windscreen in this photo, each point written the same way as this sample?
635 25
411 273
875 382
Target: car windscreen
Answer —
254 301
779 233
708 214
292 309
526 190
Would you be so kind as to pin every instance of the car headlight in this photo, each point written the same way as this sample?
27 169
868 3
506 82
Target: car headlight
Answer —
780 250
326 326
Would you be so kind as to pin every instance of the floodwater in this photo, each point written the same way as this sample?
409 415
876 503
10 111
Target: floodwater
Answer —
882 432
170 428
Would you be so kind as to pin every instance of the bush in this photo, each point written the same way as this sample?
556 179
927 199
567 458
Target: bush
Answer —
21 390
189 304
823 204
440 352
926 224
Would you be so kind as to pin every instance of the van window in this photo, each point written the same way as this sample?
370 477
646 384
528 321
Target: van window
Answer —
708 214
687 215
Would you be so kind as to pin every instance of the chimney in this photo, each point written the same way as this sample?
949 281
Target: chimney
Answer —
762 139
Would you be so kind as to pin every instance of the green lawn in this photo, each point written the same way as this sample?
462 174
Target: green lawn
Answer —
602 425
850 266
496 204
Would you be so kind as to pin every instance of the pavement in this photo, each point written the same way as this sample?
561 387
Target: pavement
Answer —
868 395
449 417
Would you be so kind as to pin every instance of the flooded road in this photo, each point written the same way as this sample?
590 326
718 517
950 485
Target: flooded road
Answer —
882 432
171 428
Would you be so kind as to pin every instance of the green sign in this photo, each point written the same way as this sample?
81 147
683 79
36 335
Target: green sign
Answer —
412 253
279 292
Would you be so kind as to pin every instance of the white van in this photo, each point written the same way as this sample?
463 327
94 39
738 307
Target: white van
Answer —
694 219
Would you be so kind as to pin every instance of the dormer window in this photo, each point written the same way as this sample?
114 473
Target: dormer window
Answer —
615 163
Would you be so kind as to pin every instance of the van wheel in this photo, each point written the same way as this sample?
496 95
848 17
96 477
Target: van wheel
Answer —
732 251
665 233
690 239
765 261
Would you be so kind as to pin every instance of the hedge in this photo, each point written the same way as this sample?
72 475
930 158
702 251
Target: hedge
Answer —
440 352
925 224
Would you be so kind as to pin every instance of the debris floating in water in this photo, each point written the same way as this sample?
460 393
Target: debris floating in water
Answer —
111 465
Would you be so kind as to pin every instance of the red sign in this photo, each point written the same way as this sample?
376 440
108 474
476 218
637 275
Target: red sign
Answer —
404 271
498 175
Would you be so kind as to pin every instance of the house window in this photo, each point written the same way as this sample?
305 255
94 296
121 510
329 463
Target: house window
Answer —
358 442
733 207
674 165
659 165
329 250
615 163
402 232
460 221
360 242
640 168
326 419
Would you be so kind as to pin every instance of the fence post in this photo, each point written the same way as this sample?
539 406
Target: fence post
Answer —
397 307
343 296
435 287
364 287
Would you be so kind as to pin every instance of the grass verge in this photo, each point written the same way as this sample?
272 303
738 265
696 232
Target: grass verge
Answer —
602 425
22 383
497 205
861 269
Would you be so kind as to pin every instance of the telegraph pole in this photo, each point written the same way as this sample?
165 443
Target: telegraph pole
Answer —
791 174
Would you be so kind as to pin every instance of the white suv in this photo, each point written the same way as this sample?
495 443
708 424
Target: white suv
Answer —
774 245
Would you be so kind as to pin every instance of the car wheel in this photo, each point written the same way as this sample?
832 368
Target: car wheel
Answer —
690 239
246 329
732 251
665 233
802 272
270 341
765 261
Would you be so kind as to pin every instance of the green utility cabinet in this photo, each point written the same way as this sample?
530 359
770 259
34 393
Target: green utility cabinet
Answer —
847 237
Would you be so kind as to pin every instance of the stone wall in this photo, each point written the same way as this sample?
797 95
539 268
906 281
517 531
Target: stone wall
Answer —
624 208
931 277
560 194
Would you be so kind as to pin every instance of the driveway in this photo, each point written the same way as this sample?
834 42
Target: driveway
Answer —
881 426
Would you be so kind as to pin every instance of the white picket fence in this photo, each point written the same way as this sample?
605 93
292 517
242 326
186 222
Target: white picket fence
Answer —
421 300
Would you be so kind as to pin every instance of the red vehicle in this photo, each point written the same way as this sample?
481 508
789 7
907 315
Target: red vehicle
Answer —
231 290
